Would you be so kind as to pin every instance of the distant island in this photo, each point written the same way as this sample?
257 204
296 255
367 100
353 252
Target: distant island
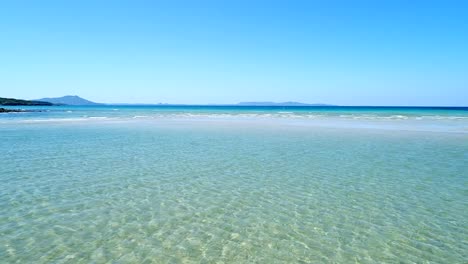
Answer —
18 102
278 104
68 100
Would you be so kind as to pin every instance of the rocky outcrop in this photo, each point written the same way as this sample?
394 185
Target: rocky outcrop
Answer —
4 110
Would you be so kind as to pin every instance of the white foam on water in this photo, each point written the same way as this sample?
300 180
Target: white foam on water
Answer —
440 123
45 120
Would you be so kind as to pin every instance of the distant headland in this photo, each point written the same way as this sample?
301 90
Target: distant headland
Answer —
17 102
65 100
68 100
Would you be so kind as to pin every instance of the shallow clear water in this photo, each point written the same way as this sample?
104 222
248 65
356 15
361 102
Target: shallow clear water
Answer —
244 190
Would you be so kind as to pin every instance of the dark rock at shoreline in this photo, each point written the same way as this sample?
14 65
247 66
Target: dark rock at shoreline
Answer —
4 110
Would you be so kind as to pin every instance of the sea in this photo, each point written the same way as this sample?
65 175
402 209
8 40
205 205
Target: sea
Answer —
234 184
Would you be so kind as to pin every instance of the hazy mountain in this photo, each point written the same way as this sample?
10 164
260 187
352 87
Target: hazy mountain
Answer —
11 101
278 104
69 100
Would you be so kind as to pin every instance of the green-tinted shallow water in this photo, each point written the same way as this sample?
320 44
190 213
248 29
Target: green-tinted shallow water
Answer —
213 192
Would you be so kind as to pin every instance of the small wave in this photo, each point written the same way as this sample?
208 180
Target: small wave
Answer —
397 117
51 120
438 117
314 116
457 117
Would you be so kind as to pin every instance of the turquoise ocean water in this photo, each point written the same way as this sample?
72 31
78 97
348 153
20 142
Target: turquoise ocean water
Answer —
196 184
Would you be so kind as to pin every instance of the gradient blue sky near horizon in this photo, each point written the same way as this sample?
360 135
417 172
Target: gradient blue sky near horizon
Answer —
202 52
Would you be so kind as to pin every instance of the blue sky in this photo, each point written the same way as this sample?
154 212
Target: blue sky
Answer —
200 52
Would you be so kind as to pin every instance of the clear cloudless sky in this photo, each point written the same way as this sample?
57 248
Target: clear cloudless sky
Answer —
201 52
